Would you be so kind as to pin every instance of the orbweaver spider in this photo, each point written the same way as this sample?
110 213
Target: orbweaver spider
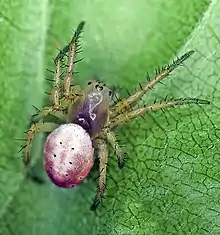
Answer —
89 120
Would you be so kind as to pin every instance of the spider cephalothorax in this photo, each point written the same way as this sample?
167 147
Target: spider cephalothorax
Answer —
89 120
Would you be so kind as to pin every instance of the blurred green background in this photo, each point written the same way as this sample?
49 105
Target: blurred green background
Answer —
171 182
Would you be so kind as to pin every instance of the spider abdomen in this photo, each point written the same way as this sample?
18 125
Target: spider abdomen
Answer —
68 155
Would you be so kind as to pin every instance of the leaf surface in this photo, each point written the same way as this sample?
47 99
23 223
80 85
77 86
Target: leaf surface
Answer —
170 184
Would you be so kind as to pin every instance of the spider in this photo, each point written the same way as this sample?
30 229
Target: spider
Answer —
88 120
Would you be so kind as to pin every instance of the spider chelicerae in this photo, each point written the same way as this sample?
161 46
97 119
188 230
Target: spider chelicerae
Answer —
89 118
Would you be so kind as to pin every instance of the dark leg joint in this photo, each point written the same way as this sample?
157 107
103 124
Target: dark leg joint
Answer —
95 204
32 175
121 163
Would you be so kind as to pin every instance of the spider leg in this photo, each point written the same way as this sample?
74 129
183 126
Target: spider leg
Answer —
50 110
33 174
126 117
103 161
124 104
72 49
55 92
32 131
57 111
111 138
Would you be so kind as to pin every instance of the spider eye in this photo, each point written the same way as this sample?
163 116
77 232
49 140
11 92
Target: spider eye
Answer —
89 83
98 87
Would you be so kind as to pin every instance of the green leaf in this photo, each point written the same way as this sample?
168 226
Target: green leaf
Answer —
170 184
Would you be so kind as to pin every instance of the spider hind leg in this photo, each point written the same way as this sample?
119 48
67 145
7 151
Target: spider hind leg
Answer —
112 140
31 133
34 176
103 161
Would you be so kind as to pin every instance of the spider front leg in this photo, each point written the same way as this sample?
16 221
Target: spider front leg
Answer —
31 133
55 92
124 104
102 147
126 117
72 50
